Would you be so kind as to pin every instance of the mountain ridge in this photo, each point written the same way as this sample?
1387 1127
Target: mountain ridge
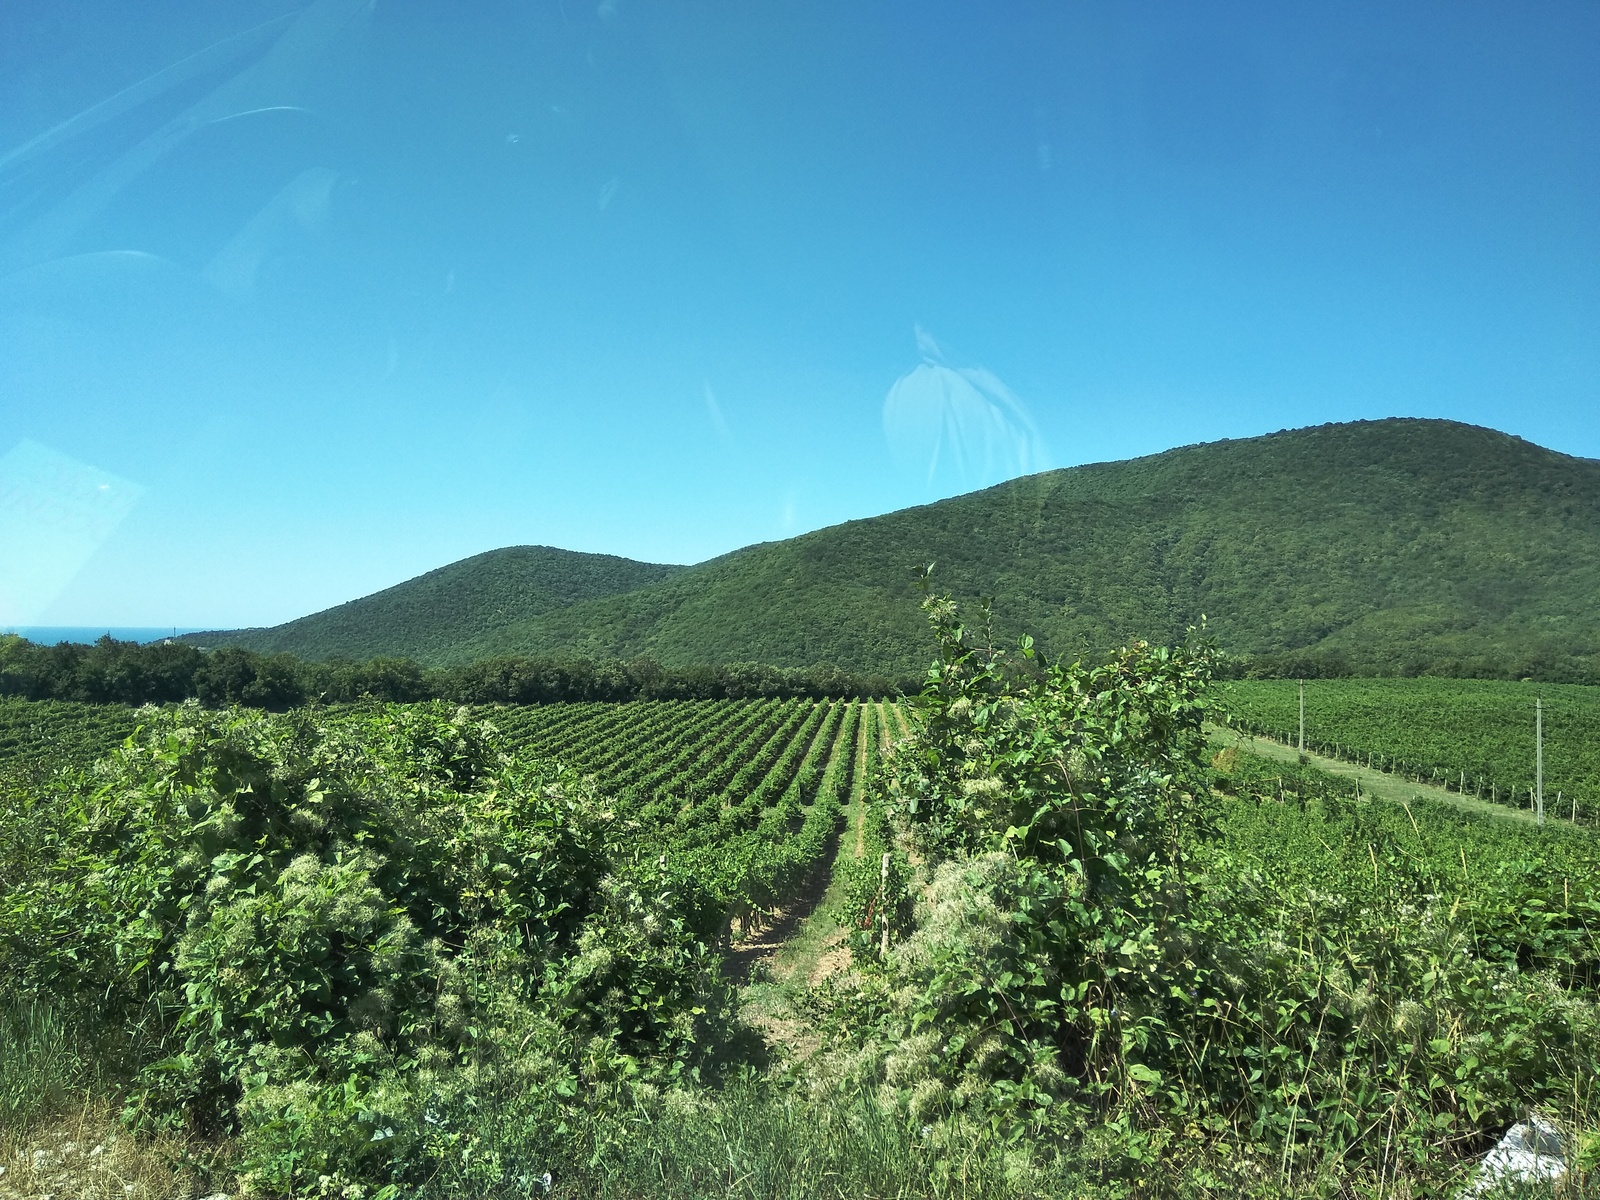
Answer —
417 617
1396 545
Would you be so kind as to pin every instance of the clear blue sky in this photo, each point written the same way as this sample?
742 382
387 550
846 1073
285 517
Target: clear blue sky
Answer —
298 300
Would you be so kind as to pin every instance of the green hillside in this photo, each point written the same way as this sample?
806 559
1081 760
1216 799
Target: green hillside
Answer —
1398 545
428 617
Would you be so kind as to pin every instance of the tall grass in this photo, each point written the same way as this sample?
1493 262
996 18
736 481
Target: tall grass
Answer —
755 1139
41 1062
750 1140
757 1145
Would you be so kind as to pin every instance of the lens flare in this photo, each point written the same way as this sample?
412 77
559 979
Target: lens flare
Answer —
55 512
958 427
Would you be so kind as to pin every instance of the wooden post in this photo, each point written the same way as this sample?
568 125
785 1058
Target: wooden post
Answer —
1302 716
883 911
1538 758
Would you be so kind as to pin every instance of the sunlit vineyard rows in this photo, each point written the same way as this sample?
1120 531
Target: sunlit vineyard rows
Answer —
1475 736
744 794
41 734
638 861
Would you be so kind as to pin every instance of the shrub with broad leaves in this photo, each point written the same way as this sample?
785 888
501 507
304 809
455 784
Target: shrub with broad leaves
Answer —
335 929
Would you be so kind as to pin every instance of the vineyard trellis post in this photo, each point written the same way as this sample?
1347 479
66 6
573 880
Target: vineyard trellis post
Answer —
883 910
1302 716
1538 759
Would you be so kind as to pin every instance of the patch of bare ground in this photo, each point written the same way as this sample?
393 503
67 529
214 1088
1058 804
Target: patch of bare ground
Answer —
85 1153
831 962
758 946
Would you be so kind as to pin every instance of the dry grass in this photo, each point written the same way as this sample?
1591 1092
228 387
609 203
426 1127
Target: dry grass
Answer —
85 1152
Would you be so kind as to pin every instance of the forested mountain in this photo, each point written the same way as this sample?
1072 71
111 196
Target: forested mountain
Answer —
428 617
1386 546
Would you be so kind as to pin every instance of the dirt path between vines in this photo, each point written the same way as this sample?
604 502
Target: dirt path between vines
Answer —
1379 784
807 946
761 946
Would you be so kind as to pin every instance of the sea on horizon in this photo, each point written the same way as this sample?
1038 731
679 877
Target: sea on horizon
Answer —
50 635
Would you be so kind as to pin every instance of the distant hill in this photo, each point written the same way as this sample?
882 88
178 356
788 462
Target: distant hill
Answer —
428 617
1397 545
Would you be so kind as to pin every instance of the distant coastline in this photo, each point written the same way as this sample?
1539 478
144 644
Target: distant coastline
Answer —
49 635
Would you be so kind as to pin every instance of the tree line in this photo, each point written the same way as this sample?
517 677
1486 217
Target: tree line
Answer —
116 672
1335 664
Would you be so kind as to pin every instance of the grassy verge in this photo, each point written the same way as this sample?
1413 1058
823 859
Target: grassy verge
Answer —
1378 784
61 1132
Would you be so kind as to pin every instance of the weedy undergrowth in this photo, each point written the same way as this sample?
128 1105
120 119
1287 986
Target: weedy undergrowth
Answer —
1105 944
331 935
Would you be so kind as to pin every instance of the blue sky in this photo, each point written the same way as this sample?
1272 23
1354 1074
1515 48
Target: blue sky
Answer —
298 300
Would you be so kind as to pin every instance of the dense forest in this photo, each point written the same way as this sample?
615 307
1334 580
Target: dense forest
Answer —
119 672
1397 547
116 672
426 617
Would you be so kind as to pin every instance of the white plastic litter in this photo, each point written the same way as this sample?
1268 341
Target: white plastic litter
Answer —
1531 1152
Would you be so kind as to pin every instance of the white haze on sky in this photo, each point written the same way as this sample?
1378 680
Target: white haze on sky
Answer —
54 514
958 427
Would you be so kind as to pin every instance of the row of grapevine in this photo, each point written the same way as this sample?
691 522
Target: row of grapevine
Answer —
761 870
700 740
671 793
38 735
1471 736
875 879
745 797
841 767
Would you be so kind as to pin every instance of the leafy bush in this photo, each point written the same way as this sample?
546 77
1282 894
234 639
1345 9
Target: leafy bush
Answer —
1102 942
1061 801
337 927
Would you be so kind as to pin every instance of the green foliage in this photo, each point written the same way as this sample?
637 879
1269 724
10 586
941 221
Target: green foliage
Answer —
331 925
731 794
876 896
346 936
106 672
1382 547
426 617
130 673
1416 960
1116 930
442 952
754 1141
1471 735
40 1061
37 737
1073 793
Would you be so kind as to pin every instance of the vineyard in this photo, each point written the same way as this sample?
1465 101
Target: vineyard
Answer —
744 795
47 733
540 928
1471 736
